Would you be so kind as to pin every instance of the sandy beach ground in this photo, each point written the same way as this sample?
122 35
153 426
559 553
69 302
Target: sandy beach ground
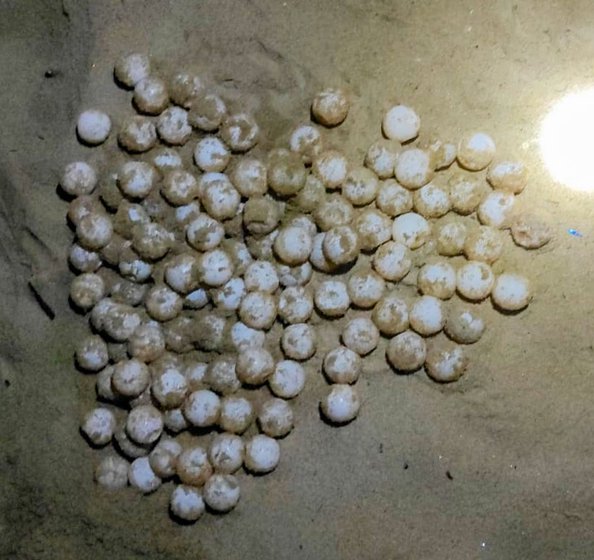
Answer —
496 466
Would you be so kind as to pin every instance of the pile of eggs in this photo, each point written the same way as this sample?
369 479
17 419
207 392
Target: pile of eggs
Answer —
190 261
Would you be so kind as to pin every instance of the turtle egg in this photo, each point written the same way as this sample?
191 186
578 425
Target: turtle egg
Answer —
162 303
341 405
196 299
476 150
221 376
130 378
91 353
390 315
239 254
180 273
94 231
166 159
426 316
147 343
151 241
392 261
464 326
136 179
401 123
342 365
144 424
175 420
185 88
137 134
173 126
450 238
142 477
262 454
474 280
93 126
237 414
87 290
193 467
496 209
186 503
407 351
331 298
293 245
288 379
82 259
295 305
341 245
249 176
484 244
275 418
298 341
311 195
226 452
243 336
466 193
254 365
330 107
360 186
261 276
112 472
79 178
286 175
127 216
373 228
82 206
207 112
228 297
511 292
411 229
332 168
99 425
317 257
150 95
393 199
291 276
444 153
202 408
446 364
437 279
240 132
334 211
306 140
215 268
211 154
431 201
179 187
414 168
258 310
170 388
365 288
381 157
221 492
509 176
205 233
219 197
530 232
132 267
132 68
360 335
260 215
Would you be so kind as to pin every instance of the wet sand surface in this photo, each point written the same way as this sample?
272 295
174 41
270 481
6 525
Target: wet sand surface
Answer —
496 466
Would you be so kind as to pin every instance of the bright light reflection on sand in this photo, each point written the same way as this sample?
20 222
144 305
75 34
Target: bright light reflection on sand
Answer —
567 140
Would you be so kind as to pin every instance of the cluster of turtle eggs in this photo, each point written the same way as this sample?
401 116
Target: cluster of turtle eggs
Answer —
186 269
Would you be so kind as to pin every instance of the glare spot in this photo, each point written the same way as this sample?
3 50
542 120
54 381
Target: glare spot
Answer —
567 140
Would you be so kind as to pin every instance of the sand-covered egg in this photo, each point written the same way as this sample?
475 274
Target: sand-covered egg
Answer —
381 157
414 168
186 503
407 351
373 228
173 126
450 238
509 176
341 245
529 231
426 315
288 379
411 229
330 107
393 199
236 415
295 304
342 365
446 363
293 245
360 335
262 454
331 298
207 112
342 403
392 261
483 243
132 68
432 200
306 140
496 209
360 186
365 288
240 132
332 168
226 452
464 325
137 134
298 341
511 292
249 176
79 178
275 417
437 279
390 314
151 96
475 280
211 154
476 150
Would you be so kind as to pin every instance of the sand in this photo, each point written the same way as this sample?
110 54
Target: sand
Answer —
498 465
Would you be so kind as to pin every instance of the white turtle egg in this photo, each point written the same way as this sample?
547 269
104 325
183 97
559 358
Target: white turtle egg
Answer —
476 150
306 140
311 195
214 268
202 408
186 503
226 452
210 154
361 335
137 134
173 126
317 256
450 238
393 199
381 157
242 336
496 209
401 123
474 280
150 95
93 126
179 187
98 426
411 229
341 245
432 201
298 341
414 168
240 132
331 298
261 276
360 186
511 292
484 243
228 297
426 316
466 193
193 466
78 179
221 492
258 310
509 176
288 379
390 315
293 245
373 228
392 261
218 196
437 279
205 233
341 405
112 472
295 305
237 414
275 417
342 365
330 107
365 288
262 454
446 363
332 168
407 351
207 112
130 69
142 477
291 276
184 88
248 176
